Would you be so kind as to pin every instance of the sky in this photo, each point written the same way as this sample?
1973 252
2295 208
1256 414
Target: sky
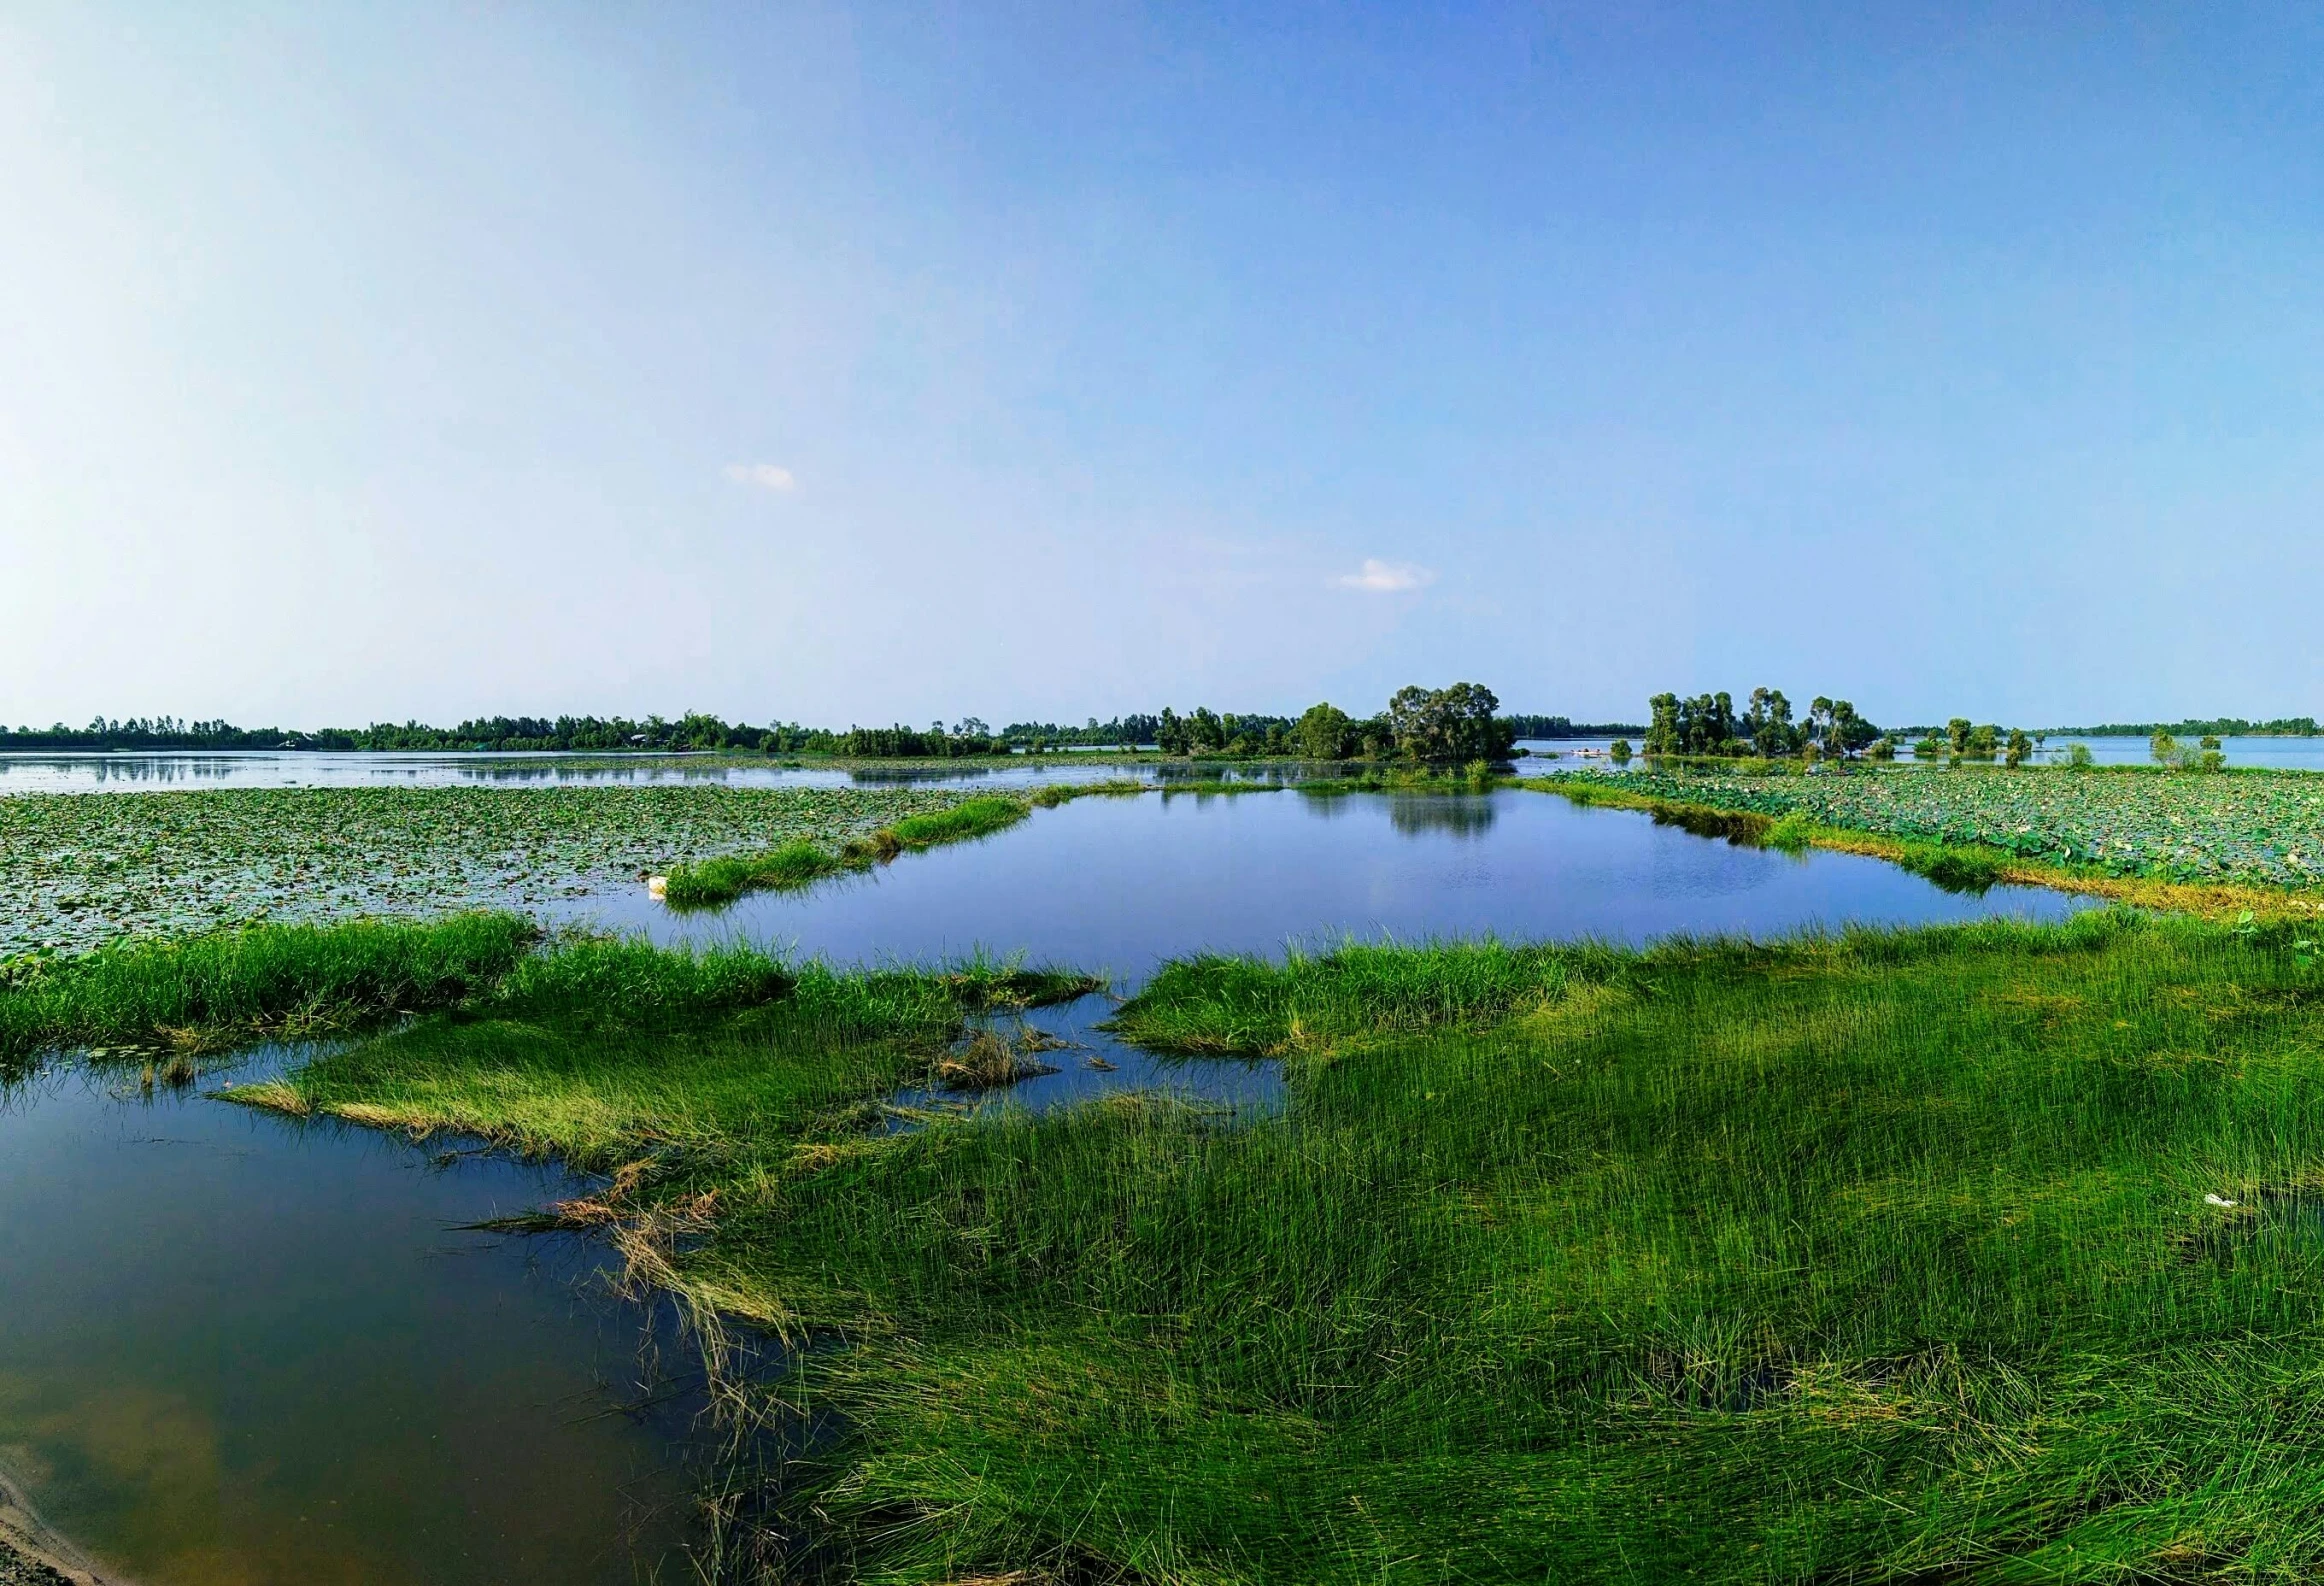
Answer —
839 363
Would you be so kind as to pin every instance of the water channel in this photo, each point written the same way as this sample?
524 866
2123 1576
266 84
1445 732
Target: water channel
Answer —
236 1350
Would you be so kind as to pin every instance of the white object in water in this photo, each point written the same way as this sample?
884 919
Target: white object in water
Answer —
2214 1200
657 885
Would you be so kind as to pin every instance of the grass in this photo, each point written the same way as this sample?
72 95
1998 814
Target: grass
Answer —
208 991
713 883
684 1071
86 867
1880 1256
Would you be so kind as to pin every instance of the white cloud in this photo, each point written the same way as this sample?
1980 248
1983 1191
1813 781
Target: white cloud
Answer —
1387 578
764 475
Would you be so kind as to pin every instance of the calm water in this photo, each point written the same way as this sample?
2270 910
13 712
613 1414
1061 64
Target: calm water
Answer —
1113 885
237 1349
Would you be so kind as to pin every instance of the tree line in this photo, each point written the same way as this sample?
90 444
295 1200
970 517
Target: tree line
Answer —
1439 725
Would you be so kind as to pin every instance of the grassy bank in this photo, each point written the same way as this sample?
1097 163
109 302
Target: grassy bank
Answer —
1881 1256
83 868
684 1072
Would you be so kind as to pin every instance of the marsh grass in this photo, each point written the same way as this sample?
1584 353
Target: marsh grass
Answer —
713 883
1877 1256
1872 1256
212 990
676 1065
1057 793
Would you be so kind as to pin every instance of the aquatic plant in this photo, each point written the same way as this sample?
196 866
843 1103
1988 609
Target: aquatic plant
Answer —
2256 828
84 868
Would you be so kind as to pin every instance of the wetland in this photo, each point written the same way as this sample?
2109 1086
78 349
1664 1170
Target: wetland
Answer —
1239 1182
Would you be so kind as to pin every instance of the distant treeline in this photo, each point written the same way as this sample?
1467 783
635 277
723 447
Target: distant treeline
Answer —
1561 727
2219 727
1419 724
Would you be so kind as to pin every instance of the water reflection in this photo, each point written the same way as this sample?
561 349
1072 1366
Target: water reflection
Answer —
1454 814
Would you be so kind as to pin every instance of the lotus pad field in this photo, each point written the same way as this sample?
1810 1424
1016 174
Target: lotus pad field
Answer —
2256 828
83 868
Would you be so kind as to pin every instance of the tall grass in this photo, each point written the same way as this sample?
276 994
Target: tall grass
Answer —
690 1067
1873 1257
230 985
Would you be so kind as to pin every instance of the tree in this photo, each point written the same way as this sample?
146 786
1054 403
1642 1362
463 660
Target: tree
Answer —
2019 747
1448 724
1767 723
1324 732
1662 736
1957 733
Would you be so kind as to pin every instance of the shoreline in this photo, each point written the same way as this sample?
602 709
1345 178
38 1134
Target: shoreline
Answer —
33 1555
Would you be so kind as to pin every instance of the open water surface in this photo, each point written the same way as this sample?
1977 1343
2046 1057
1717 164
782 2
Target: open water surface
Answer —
238 1350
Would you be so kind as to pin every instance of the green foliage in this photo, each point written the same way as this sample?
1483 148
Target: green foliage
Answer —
206 990
1326 732
2080 758
2260 828
1447 726
84 868
712 883
1619 751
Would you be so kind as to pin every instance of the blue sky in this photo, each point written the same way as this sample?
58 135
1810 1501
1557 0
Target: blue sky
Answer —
844 363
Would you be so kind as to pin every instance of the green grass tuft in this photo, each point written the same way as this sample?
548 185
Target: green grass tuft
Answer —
214 989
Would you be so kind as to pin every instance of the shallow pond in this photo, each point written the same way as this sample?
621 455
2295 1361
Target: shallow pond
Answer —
237 1349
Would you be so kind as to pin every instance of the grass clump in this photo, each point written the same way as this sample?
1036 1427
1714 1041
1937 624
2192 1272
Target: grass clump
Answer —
1252 1007
712 883
212 990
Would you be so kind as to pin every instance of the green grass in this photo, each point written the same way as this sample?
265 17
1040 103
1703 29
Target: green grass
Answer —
693 1071
1884 1256
713 883
83 868
213 989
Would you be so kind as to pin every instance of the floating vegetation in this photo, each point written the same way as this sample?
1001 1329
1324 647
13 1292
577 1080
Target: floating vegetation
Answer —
2252 828
84 868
